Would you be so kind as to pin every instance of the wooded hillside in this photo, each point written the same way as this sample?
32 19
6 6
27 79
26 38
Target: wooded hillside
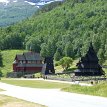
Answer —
14 12
61 29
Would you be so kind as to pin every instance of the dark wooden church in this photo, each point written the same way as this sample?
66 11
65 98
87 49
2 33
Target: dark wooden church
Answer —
88 65
49 65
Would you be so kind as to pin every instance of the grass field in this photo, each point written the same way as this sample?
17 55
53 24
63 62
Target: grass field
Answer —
1 90
35 83
97 90
6 101
8 58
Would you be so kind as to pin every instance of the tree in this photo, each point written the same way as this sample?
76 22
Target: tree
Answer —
43 51
66 24
105 54
101 56
62 28
50 48
33 44
69 50
65 62
1 74
1 62
57 55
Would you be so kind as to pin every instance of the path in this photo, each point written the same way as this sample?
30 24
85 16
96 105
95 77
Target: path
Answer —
53 97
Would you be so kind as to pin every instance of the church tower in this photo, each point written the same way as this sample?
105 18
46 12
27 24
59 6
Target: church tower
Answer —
88 65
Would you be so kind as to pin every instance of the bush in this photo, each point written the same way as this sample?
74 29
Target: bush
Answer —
37 75
65 62
57 63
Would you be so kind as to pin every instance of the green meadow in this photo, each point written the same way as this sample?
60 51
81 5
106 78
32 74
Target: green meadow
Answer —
99 89
8 58
35 83
96 90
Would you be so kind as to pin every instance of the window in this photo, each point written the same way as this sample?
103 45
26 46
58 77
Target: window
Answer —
29 62
38 62
20 62
24 62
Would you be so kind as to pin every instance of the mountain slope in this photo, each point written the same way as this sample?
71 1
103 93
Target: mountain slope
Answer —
12 11
66 29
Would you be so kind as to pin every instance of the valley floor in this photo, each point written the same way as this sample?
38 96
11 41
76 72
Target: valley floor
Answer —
53 97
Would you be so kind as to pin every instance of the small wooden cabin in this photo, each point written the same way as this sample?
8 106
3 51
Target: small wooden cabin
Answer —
28 63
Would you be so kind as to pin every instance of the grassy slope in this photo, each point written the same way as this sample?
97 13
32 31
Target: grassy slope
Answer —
97 90
35 83
8 58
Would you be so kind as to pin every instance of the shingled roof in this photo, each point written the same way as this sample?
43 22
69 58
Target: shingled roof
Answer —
29 56
20 57
32 56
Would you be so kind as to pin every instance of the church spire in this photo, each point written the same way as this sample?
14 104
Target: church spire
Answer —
88 65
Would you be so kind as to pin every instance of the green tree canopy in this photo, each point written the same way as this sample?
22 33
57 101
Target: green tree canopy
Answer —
1 62
65 62
57 55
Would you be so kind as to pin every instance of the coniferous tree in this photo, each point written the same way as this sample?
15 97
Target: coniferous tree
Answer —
1 62
57 55
69 50
101 56
43 51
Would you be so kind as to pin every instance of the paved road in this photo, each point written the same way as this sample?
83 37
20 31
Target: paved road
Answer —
53 97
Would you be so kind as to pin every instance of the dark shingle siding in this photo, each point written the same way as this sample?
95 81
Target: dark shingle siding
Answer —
30 65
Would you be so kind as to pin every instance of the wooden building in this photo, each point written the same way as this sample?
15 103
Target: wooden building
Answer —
49 65
28 63
88 64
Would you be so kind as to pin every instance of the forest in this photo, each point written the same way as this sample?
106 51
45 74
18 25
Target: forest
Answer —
15 12
61 29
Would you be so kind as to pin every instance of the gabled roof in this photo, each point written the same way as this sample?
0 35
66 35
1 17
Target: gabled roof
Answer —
32 56
29 56
91 55
20 57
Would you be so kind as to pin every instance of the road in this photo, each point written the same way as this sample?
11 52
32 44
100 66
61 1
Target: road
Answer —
53 97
